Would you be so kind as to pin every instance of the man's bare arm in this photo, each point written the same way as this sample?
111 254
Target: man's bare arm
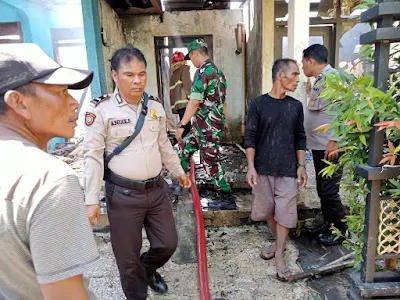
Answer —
301 156
68 289
251 171
302 177
250 153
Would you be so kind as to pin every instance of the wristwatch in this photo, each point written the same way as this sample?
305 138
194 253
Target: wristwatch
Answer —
180 125
301 165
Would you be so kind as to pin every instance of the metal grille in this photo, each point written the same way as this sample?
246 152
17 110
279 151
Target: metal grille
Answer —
389 227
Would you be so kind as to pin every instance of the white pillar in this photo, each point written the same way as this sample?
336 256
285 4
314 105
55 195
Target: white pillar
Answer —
298 35
268 29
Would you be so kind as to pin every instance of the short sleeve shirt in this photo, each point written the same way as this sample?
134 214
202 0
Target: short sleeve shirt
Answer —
317 115
108 125
45 234
209 87
317 103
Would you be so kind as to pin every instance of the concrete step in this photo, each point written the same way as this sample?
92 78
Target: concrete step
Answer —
221 218
230 217
215 218
211 218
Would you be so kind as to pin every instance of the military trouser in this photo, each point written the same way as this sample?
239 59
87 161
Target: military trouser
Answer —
207 142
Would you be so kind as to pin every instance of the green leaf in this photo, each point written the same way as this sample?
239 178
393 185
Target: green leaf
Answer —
395 183
376 93
397 149
370 103
328 162
394 192
351 148
363 140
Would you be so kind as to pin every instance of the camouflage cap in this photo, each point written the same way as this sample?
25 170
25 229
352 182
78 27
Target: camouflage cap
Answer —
194 45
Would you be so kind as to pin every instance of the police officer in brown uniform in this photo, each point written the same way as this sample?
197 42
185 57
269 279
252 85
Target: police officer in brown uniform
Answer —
135 191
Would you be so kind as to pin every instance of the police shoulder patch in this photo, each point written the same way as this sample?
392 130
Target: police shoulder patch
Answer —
100 99
89 118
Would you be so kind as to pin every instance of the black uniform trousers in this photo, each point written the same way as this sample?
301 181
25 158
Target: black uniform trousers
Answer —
328 191
128 211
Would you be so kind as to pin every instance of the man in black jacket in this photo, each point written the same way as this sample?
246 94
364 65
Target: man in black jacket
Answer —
275 144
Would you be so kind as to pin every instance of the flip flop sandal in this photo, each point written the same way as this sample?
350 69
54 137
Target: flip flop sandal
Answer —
268 250
284 271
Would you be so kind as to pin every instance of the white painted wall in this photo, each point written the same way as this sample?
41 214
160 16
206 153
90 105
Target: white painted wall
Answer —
141 30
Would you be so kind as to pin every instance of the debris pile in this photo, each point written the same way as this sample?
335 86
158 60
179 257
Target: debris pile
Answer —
234 161
71 153
68 151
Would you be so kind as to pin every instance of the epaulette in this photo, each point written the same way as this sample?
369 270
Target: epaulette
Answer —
155 99
100 99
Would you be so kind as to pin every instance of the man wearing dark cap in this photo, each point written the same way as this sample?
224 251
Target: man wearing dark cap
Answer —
46 242
206 111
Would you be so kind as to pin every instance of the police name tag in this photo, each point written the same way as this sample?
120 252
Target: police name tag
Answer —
120 122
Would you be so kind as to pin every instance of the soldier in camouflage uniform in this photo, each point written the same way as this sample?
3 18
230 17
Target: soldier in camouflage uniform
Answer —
206 111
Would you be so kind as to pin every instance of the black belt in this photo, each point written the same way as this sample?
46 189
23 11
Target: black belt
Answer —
131 184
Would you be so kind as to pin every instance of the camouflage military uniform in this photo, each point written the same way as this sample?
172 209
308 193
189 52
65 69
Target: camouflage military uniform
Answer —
209 87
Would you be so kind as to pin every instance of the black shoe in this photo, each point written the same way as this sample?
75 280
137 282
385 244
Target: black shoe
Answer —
228 196
317 229
157 283
226 201
213 195
330 239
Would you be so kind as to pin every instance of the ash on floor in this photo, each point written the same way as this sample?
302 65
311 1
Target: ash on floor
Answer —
236 271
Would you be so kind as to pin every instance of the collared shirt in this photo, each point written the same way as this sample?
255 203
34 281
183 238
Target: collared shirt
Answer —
316 114
209 87
107 125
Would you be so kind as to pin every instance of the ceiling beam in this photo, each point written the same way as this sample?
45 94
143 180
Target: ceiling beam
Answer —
157 6
182 6
135 11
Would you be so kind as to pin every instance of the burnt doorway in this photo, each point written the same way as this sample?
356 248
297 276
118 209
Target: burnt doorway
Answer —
165 48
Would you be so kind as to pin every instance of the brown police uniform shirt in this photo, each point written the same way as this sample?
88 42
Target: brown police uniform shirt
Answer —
107 124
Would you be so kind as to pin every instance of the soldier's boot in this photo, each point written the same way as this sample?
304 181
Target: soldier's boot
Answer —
174 188
210 195
226 201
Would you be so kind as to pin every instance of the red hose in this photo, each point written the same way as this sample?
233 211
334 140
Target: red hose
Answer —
201 238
